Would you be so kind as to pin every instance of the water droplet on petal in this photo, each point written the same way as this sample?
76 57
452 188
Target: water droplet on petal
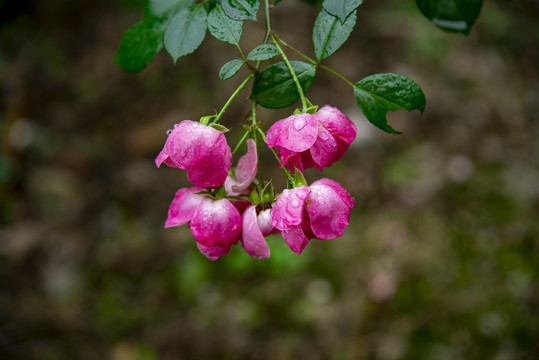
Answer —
195 125
188 131
176 125
169 131
299 123
295 203
324 136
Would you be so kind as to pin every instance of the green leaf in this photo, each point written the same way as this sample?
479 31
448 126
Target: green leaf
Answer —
274 87
224 28
220 127
263 52
341 8
451 15
140 43
186 31
165 8
329 34
379 93
241 9
230 69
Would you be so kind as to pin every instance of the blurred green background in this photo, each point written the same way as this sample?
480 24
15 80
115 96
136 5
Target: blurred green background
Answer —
440 260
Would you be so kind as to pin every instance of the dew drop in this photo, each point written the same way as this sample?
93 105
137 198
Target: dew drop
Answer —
324 136
176 125
295 203
299 123
195 125
169 131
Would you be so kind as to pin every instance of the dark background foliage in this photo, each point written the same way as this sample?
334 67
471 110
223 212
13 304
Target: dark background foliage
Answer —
440 260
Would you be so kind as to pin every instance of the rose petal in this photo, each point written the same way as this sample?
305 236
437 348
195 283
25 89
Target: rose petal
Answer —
216 222
252 238
324 149
213 252
296 133
343 194
328 213
295 238
288 209
164 158
247 167
212 166
183 206
199 149
337 123
264 222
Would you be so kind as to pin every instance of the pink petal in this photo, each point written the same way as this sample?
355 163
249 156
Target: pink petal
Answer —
295 238
308 162
210 168
328 213
213 252
343 194
247 168
264 222
288 209
163 158
337 123
324 149
296 133
252 238
178 149
183 206
216 222
199 149
290 159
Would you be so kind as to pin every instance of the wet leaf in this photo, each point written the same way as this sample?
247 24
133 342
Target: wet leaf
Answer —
230 69
263 52
274 87
451 15
329 34
241 9
140 43
186 31
341 8
377 94
224 28
165 8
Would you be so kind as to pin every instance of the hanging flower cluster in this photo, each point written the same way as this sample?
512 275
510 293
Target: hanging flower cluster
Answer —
228 205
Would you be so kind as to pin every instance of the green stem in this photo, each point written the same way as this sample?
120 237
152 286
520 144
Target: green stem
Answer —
241 142
337 74
294 76
289 176
268 27
229 101
298 52
255 138
268 22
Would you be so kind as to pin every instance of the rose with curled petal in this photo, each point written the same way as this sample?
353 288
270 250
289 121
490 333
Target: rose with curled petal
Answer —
215 224
244 174
199 149
312 140
321 210
256 226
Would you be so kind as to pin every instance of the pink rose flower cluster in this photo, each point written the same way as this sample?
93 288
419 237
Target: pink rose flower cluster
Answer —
319 211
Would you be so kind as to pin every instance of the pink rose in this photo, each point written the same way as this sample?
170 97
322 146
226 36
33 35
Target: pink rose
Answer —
215 224
321 210
312 140
199 149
